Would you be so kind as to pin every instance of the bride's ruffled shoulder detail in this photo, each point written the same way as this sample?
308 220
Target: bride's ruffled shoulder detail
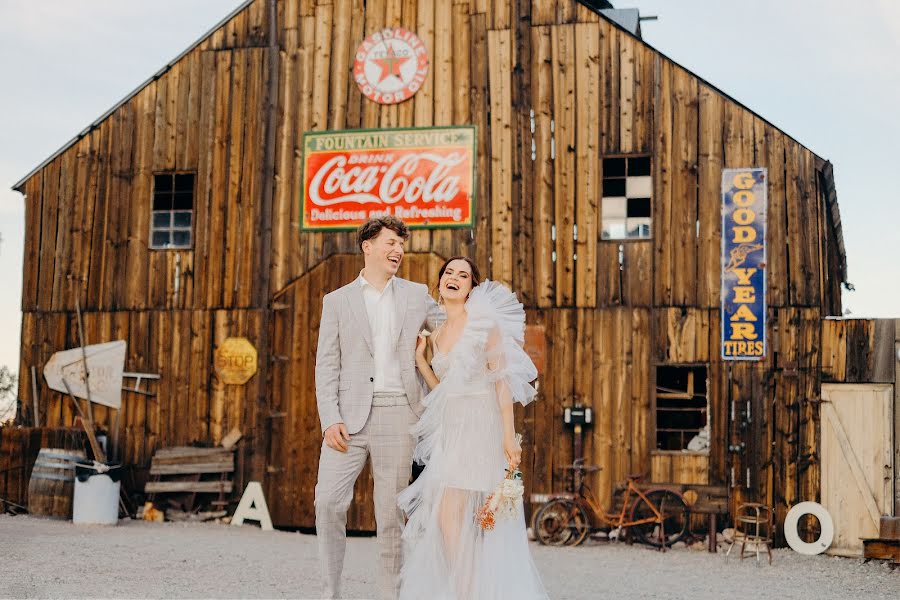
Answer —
497 316
492 304
495 334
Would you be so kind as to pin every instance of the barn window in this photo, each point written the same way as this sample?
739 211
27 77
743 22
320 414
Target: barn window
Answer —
172 221
682 408
627 193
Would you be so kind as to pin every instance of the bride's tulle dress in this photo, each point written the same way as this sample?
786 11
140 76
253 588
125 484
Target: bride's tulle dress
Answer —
447 556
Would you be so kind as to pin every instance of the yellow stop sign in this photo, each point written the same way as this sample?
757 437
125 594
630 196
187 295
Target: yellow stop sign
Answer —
235 361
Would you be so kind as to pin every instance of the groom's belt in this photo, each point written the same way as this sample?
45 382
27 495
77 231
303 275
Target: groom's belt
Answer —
389 399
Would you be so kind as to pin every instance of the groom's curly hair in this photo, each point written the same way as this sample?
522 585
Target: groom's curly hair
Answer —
371 228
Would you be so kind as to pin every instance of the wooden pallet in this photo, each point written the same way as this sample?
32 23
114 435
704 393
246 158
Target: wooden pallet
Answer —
190 471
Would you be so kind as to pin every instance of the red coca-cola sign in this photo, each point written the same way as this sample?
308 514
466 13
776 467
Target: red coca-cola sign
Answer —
425 176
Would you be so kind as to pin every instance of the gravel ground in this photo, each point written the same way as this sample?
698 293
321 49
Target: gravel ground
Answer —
42 558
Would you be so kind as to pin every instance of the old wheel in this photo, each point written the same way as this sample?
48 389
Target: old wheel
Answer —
674 513
561 522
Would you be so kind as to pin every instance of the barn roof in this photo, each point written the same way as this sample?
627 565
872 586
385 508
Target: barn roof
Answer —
596 6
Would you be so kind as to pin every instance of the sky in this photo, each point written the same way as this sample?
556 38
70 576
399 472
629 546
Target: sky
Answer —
824 71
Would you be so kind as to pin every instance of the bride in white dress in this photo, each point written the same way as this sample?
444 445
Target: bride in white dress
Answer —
467 441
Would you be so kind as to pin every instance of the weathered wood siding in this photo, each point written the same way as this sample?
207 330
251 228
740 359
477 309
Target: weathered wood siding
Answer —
595 91
19 447
190 405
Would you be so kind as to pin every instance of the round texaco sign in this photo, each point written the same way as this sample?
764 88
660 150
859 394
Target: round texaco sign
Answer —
390 65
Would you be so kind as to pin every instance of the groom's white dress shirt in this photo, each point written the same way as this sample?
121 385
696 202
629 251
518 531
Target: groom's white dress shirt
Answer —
380 310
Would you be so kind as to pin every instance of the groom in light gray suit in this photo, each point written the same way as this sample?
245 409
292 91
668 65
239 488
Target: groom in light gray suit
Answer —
369 395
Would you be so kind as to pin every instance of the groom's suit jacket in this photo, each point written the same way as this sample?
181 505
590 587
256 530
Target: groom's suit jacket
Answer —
345 367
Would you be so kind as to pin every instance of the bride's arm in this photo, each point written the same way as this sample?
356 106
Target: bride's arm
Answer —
422 363
511 446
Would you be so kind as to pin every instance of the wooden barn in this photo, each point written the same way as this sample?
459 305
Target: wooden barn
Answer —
174 221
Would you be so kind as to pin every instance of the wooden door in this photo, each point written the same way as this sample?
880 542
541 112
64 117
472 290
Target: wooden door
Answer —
857 469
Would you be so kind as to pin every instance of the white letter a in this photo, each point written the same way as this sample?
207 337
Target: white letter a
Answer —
253 507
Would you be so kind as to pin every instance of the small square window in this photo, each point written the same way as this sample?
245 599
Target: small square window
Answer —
613 187
181 219
184 182
181 238
615 208
613 229
638 187
162 201
627 191
637 228
162 219
613 167
173 204
162 183
161 239
183 201
682 409
638 165
638 207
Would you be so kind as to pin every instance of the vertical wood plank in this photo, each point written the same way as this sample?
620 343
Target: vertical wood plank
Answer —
564 103
341 63
543 170
626 94
500 65
684 189
587 161
663 179
480 107
444 97
709 201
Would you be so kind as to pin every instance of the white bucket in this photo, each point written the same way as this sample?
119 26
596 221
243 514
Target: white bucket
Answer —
96 501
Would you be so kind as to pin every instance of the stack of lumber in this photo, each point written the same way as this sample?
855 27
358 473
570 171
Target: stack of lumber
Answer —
887 545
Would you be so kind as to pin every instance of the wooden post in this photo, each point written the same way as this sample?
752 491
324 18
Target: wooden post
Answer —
34 397
87 378
88 424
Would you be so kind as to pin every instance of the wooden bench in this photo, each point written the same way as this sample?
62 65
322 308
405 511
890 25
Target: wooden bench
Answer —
887 545
709 500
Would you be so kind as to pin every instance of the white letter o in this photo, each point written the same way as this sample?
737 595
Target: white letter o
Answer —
793 537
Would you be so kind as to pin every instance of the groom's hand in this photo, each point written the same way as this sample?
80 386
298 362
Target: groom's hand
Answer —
336 437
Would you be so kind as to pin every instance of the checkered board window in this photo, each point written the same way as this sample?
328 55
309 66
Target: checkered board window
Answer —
171 224
627 195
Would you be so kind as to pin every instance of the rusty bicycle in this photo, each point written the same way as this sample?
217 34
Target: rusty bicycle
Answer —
656 516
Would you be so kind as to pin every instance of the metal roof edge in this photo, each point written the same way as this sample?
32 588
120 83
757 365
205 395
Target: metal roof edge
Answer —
18 185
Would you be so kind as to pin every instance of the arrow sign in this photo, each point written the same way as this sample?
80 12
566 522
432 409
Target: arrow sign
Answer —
105 363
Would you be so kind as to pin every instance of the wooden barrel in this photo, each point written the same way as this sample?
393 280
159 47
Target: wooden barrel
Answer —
52 483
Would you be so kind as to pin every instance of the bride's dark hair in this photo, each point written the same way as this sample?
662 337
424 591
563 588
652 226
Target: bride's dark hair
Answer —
476 275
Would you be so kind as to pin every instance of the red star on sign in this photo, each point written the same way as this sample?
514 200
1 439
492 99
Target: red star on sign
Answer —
390 64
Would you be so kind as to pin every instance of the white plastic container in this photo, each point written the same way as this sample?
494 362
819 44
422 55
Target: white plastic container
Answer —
96 501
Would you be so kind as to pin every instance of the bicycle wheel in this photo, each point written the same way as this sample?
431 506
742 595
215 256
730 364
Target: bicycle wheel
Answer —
579 524
674 513
560 522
